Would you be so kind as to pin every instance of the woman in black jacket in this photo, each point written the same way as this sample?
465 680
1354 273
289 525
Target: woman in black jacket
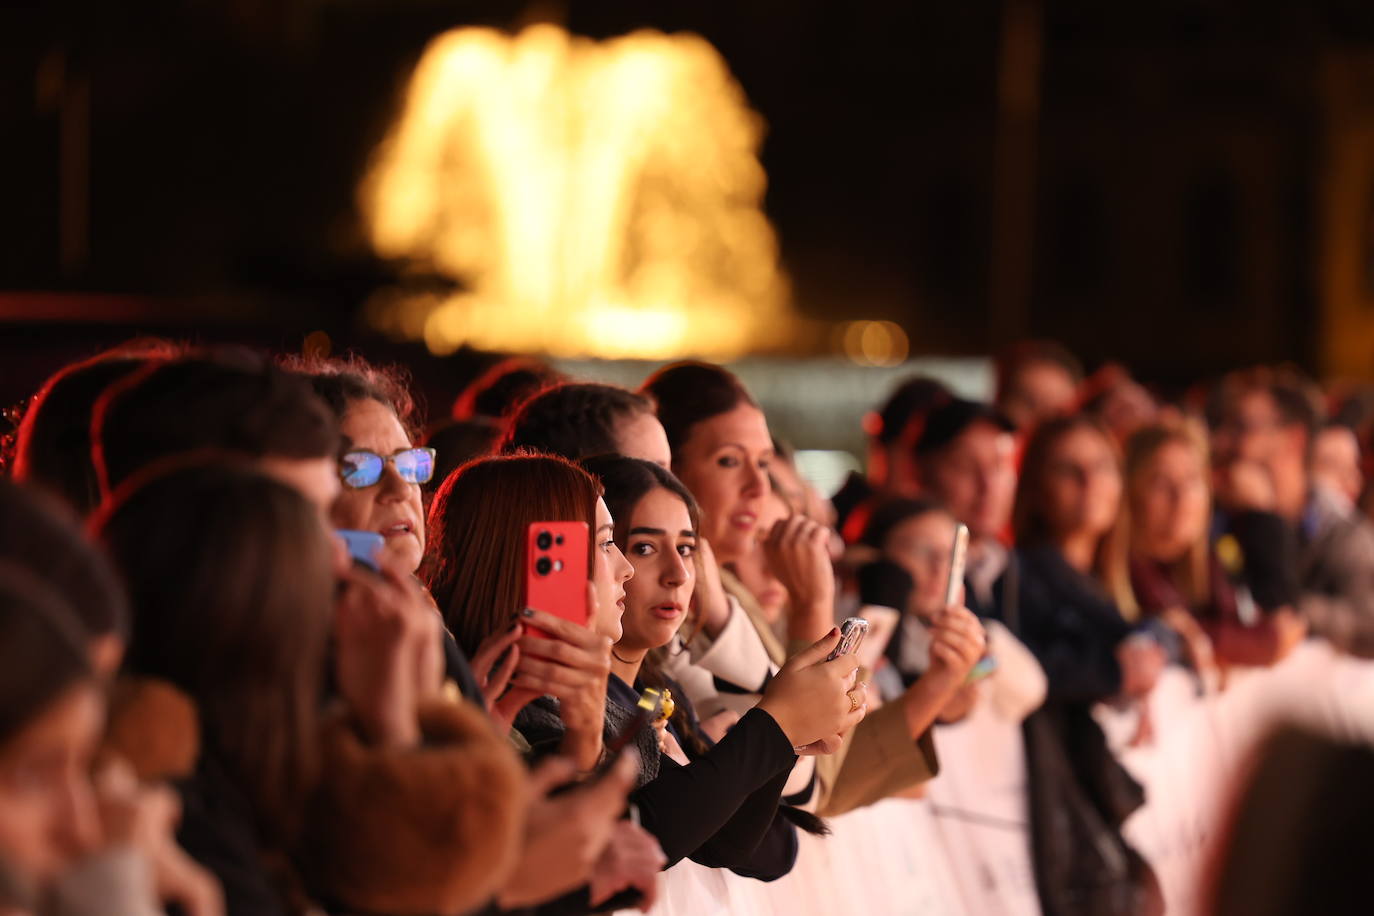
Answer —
1055 601
719 807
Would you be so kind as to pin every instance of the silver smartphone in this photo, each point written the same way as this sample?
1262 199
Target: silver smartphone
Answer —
958 556
852 633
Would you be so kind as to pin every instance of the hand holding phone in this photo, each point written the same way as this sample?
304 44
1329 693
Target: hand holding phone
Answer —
556 571
852 633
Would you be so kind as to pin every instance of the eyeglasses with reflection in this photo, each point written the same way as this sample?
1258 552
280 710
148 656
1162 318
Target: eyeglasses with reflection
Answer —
361 468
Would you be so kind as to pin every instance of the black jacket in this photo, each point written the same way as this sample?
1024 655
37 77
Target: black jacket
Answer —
1079 794
722 811
1067 620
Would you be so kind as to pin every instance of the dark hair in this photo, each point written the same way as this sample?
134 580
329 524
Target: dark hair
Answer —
475 559
910 400
627 482
53 444
43 650
1017 356
890 514
1297 400
498 390
947 420
1028 518
342 380
456 442
690 392
41 534
228 400
230 578
575 420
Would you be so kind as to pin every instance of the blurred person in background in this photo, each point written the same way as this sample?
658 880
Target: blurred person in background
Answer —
1298 836
502 387
1161 561
966 456
722 451
1336 464
1058 605
1036 380
582 419
915 540
1117 401
1269 420
890 471
53 446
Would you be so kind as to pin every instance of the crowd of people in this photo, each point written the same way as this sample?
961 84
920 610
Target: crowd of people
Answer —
215 697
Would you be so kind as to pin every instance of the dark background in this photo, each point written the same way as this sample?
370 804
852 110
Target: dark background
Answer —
1164 198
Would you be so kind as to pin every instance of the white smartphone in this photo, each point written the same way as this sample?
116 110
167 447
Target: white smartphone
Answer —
958 556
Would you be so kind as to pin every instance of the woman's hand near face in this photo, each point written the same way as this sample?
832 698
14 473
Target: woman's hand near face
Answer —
388 654
573 667
814 700
798 552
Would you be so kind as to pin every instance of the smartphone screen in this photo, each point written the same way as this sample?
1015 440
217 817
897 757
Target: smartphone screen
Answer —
958 556
556 571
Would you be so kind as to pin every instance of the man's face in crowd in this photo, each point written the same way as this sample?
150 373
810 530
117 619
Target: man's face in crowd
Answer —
975 477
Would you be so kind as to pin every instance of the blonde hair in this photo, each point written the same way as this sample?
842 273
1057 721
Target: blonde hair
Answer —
1192 574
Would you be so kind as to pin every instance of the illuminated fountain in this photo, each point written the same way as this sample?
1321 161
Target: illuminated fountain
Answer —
591 198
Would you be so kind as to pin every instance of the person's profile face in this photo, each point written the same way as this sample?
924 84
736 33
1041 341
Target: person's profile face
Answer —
610 571
47 808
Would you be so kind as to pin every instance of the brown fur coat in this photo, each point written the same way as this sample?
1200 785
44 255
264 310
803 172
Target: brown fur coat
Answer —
433 829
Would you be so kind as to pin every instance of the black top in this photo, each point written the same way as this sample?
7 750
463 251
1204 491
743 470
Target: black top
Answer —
217 830
722 811
1069 623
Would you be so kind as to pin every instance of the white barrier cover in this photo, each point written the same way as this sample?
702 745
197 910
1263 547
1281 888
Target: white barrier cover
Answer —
963 851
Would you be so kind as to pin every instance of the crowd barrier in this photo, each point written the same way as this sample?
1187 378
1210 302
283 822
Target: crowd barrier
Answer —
963 849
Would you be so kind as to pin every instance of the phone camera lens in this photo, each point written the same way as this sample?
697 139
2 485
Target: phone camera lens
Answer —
558 540
543 565
545 540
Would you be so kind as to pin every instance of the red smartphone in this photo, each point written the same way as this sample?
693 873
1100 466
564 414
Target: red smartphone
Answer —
556 571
